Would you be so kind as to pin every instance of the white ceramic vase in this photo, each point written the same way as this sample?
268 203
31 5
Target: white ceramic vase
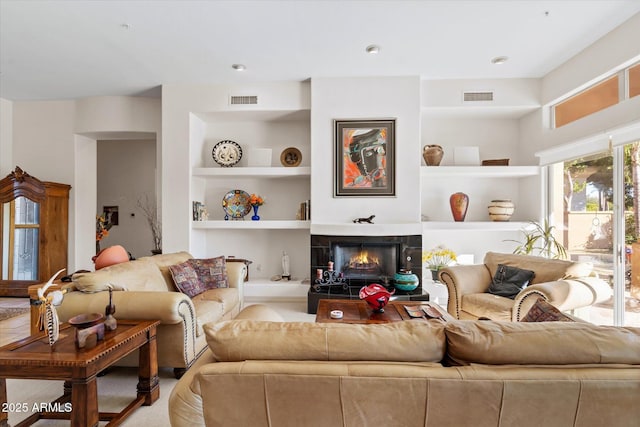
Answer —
501 210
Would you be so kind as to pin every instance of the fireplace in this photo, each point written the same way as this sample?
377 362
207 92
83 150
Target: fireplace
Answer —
341 265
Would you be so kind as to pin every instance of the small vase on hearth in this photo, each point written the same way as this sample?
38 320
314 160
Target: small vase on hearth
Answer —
255 216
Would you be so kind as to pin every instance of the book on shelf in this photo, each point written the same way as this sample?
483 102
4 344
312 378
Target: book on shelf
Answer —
304 211
199 211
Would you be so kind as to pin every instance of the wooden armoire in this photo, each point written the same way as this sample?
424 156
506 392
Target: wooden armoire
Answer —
34 222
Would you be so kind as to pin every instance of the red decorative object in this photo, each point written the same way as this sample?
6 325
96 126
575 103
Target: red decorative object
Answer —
110 256
459 203
377 296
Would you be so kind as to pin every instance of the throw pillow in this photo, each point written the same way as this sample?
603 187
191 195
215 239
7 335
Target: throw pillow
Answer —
211 272
542 311
186 279
509 281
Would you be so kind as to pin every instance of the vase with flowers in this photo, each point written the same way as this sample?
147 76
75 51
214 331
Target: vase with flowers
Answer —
437 258
102 229
256 201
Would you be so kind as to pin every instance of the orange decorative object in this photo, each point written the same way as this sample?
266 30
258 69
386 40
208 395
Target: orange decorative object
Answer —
459 203
110 256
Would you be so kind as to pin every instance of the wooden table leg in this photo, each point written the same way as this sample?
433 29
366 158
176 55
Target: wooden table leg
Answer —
84 400
4 413
148 381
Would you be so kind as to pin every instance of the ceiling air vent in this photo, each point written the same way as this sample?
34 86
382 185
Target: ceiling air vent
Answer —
477 96
243 100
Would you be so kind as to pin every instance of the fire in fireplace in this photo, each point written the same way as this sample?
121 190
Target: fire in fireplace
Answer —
365 262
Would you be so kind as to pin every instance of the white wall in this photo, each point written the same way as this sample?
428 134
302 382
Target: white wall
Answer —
365 98
48 144
6 137
126 174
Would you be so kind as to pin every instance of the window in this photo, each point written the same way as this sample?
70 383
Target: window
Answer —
634 80
589 101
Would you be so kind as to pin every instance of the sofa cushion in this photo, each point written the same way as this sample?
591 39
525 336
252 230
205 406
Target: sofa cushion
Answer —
228 297
547 270
239 340
487 305
164 261
206 311
211 272
509 281
138 275
542 311
499 343
186 279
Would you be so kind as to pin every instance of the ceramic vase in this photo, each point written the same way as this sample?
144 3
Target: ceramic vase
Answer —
434 275
501 210
459 203
432 154
255 216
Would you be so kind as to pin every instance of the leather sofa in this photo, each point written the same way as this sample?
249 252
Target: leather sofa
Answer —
148 292
412 373
567 285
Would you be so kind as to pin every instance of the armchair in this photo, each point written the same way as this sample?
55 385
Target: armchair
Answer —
567 285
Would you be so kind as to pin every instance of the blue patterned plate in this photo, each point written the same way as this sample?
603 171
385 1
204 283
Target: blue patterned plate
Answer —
236 204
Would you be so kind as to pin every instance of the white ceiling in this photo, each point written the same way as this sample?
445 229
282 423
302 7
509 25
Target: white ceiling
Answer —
70 49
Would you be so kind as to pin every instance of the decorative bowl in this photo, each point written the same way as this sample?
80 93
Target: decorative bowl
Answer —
377 296
405 280
83 321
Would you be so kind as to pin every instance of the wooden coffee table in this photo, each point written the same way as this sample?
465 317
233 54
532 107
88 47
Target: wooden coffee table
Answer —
358 311
32 358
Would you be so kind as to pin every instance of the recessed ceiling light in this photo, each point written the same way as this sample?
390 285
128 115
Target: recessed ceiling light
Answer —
238 67
373 49
499 60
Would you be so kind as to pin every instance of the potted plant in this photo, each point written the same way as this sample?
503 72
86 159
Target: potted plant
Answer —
150 211
539 240
437 258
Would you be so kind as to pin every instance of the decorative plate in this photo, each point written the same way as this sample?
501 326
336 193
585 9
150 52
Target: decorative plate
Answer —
236 204
226 153
291 157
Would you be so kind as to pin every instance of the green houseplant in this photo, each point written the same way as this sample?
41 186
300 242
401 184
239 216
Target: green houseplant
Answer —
539 240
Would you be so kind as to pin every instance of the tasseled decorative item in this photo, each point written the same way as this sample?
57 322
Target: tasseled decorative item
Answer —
48 313
110 322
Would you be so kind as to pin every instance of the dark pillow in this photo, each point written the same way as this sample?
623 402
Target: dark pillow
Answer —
211 272
186 279
542 311
509 281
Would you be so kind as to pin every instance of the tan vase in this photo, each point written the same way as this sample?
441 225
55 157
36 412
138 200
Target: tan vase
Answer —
459 203
432 154
501 210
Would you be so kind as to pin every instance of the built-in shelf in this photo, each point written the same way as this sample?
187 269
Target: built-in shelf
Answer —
351 229
480 171
258 290
476 225
253 172
252 225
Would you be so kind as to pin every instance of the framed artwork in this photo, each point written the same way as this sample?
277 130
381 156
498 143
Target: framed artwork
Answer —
365 157
110 214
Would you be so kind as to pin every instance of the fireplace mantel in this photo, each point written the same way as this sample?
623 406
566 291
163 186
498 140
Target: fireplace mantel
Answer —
351 229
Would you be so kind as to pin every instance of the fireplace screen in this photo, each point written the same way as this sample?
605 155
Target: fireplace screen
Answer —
365 262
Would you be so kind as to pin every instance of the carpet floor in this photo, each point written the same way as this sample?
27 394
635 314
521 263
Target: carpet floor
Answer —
9 312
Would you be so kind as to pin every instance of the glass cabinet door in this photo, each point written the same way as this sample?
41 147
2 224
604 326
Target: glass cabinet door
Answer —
21 220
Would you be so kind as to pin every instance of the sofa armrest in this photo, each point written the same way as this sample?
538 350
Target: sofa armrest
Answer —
565 294
168 307
236 272
461 280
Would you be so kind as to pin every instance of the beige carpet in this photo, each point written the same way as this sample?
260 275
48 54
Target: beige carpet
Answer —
118 387
9 312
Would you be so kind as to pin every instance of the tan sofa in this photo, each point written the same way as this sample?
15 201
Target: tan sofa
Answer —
151 294
567 285
412 373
